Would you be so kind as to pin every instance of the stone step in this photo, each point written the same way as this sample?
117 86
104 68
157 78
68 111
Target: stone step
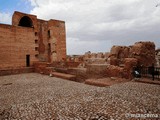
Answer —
64 76
103 82
149 81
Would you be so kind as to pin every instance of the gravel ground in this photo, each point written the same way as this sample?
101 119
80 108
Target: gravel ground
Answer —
39 97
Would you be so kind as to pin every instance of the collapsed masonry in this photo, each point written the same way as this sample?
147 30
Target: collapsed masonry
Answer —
119 62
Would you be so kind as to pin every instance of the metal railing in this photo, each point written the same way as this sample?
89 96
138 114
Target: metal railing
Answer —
148 71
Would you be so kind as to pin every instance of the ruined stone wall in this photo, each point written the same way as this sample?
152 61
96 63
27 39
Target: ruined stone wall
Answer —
144 52
15 44
118 54
43 40
52 40
57 40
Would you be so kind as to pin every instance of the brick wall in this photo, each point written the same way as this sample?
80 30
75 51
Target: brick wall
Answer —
15 44
57 40
42 41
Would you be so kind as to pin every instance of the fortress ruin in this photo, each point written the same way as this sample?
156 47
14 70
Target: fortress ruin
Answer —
30 40
34 45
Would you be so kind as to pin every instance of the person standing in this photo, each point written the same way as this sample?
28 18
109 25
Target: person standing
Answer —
152 71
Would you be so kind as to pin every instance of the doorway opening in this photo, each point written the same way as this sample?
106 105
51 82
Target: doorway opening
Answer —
27 60
49 52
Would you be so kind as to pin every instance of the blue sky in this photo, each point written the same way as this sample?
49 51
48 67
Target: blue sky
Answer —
9 6
94 25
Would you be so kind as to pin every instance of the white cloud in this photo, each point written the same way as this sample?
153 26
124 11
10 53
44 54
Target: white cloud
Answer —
5 18
80 47
102 22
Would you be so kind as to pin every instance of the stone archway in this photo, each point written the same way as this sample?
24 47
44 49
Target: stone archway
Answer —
25 21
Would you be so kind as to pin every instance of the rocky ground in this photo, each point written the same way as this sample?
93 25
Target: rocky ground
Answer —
35 96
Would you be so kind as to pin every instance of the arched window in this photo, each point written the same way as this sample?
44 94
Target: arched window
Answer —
25 22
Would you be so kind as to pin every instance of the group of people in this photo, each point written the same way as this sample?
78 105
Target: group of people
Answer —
137 71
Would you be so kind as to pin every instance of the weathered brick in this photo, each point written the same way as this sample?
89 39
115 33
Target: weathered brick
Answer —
27 35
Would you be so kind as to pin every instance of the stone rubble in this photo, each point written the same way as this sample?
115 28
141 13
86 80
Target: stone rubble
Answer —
35 96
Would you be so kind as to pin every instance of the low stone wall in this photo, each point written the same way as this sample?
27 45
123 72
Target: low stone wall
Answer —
68 64
96 70
72 64
114 71
12 71
95 61
81 74
42 67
